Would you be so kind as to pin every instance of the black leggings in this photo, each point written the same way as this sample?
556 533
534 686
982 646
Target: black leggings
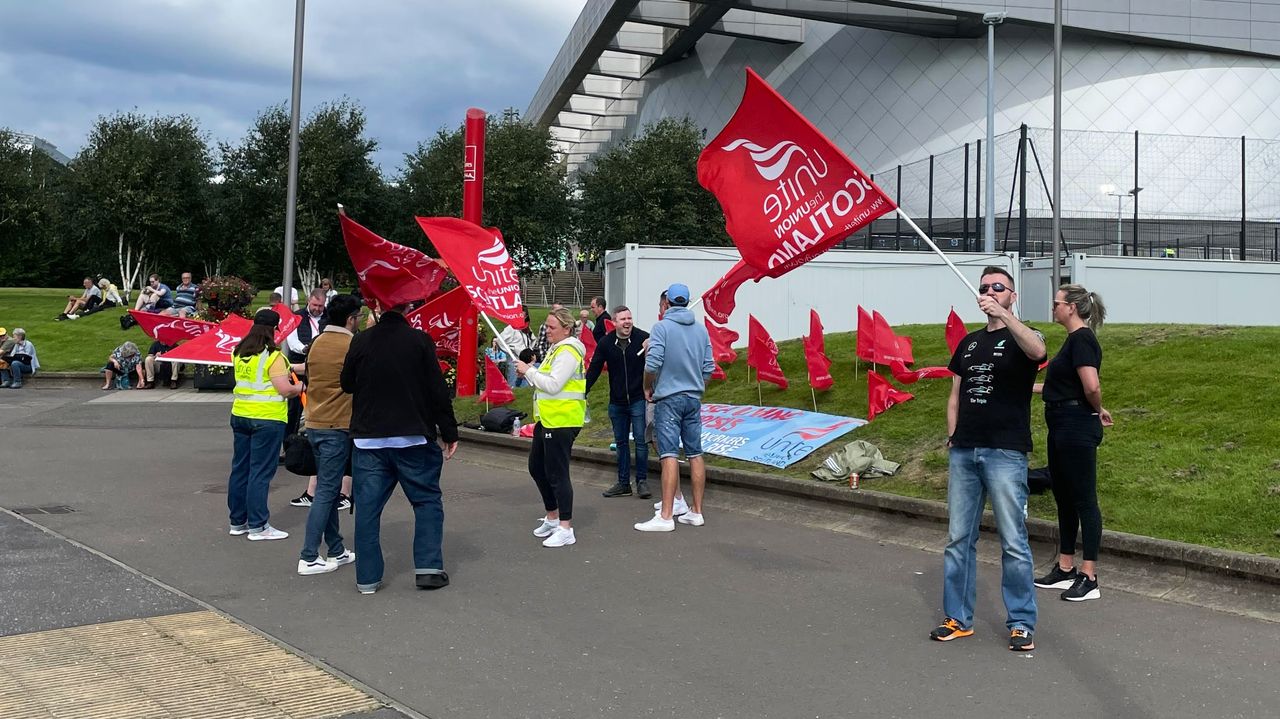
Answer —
549 467
1074 436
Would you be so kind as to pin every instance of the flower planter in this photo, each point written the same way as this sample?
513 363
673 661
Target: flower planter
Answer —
211 378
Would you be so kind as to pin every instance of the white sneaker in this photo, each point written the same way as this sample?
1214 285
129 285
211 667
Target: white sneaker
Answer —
266 533
678 507
238 531
692 518
562 537
546 527
346 557
319 566
657 524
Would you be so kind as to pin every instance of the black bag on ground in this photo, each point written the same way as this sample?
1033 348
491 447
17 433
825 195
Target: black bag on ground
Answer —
499 419
127 321
298 455
1038 480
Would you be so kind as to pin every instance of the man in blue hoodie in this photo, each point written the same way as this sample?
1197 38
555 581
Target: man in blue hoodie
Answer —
621 352
676 371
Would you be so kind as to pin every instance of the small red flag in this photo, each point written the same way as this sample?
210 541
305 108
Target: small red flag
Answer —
496 389
889 346
908 376
815 354
390 273
866 337
955 331
609 326
762 354
881 395
718 373
722 339
589 342
480 261
719 301
442 318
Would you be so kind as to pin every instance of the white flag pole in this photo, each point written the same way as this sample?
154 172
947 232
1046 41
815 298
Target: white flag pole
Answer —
934 247
497 336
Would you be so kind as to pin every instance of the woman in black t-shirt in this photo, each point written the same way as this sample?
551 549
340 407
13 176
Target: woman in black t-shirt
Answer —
1075 415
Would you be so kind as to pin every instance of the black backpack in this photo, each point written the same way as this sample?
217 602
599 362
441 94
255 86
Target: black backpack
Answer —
499 419
127 321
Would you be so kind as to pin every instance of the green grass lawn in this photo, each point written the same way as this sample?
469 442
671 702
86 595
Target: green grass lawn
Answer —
1194 455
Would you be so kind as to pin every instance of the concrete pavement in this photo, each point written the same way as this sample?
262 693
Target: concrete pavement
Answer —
759 614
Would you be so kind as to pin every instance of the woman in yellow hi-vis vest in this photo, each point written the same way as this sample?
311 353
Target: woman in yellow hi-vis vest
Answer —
258 418
560 407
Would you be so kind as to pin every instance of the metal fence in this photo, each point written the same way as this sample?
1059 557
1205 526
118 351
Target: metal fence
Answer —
1123 194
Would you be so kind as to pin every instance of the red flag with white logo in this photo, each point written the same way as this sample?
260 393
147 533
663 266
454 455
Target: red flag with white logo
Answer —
170 330
866 337
881 395
215 346
722 339
442 318
788 193
908 376
762 354
719 301
955 331
388 272
888 345
496 389
480 261
815 354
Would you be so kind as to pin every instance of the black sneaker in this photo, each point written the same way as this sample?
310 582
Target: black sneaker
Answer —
948 630
302 501
431 581
618 490
642 489
1083 589
1058 579
1021 640
344 503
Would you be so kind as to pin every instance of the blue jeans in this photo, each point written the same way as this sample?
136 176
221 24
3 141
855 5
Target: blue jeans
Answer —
678 419
975 474
253 464
629 420
375 473
14 373
332 448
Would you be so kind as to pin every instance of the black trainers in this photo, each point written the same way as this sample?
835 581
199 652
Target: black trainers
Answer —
432 581
642 489
1058 579
344 503
948 630
302 501
1083 589
618 490
1021 640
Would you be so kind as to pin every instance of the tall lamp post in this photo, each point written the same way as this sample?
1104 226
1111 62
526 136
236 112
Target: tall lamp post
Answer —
291 191
991 19
1113 192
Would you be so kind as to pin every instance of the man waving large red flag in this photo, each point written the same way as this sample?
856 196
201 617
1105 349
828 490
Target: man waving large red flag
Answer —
788 193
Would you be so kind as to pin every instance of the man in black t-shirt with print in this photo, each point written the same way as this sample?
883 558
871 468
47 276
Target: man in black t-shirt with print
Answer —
989 436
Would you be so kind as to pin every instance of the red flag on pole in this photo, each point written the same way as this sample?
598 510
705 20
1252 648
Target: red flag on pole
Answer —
866 337
496 389
889 346
762 354
881 395
215 346
387 272
609 326
718 373
955 331
907 376
588 340
719 301
442 318
815 354
170 330
480 261
788 193
722 339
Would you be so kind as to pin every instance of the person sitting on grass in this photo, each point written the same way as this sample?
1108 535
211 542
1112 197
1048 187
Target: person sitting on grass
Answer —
155 297
184 297
87 300
18 359
123 361
110 298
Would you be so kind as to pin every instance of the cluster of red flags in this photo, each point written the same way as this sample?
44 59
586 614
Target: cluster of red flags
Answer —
205 342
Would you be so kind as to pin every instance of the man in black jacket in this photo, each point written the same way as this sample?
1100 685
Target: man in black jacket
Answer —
400 410
621 351
602 315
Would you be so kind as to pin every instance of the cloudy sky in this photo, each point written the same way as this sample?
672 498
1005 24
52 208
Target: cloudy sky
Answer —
415 65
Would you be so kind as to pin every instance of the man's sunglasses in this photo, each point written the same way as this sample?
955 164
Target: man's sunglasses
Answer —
997 286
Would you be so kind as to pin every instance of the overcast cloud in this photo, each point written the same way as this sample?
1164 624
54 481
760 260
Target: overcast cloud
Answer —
415 65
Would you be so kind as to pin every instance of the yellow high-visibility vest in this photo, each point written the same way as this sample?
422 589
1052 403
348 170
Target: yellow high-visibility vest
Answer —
568 407
255 396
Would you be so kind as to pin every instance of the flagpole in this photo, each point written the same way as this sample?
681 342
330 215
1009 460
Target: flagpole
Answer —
934 247
497 336
814 395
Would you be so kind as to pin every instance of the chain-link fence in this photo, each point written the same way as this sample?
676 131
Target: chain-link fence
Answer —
1123 193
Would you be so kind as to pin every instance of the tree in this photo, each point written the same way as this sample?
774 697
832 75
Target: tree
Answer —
141 188
645 190
526 195
335 165
32 199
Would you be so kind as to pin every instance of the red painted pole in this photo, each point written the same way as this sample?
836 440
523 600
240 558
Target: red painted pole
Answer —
472 211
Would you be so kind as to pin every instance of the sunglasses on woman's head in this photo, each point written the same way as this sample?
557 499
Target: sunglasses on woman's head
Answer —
997 286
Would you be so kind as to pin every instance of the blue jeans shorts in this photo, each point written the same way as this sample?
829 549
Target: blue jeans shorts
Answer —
678 420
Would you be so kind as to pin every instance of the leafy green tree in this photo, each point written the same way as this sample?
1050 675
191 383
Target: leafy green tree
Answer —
645 190
525 192
335 165
140 189
32 199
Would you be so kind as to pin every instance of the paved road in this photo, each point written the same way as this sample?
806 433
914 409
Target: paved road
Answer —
758 614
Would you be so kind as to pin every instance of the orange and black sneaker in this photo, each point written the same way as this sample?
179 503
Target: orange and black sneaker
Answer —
1021 640
949 629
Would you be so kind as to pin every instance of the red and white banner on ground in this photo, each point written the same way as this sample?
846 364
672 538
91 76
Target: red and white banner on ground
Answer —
442 318
388 272
480 261
788 193
170 330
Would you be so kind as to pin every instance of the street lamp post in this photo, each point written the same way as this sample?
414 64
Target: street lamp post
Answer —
1113 192
991 19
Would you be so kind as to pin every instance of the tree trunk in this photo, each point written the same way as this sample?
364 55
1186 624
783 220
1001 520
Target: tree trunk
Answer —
129 267
308 277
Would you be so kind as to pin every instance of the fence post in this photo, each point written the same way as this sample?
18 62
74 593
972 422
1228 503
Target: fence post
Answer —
977 194
1207 249
1022 192
930 222
1243 174
1135 192
897 217
964 202
1275 245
